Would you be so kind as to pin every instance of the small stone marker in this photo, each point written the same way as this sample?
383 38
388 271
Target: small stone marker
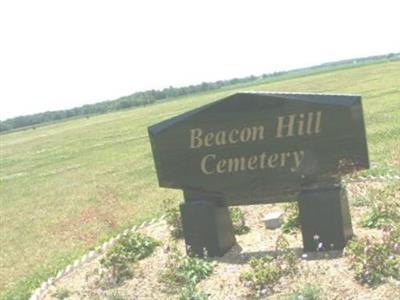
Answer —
273 219
253 148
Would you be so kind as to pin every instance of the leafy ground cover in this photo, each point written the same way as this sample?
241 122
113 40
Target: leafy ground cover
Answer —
66 187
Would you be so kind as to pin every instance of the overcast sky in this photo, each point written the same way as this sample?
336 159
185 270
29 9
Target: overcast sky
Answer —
61 54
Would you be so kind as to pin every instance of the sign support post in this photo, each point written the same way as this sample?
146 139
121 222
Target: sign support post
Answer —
207 225
325 217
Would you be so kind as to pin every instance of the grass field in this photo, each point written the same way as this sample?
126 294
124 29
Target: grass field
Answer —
66 187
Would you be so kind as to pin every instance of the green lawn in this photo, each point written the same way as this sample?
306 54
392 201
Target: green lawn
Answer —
66 187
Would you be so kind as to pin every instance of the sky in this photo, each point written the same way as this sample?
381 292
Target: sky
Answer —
61 54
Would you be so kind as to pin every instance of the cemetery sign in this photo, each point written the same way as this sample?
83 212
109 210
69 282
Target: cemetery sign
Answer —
252 148
256 147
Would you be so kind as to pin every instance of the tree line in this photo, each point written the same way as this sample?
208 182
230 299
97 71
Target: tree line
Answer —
144 98
134 100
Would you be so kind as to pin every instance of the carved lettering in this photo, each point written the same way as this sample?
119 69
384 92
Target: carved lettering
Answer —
203 164
211 164
199 139
195 140
285 126
293 125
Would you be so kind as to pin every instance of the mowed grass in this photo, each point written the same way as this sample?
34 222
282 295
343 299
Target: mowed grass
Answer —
68 186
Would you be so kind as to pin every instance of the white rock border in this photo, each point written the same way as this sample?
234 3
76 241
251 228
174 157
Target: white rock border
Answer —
88 257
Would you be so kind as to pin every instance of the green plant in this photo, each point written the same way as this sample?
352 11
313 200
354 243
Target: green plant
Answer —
375 260
193 269
169 275
62 294
190 292
123 253
306 292
292 221
361 200
173 218
238 221
384 208
182 271
116 296
266 271
117 263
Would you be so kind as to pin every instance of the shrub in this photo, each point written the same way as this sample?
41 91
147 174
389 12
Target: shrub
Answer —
173 218
117 262
184 271
378 216
384 210
193 269
375 260
292 221
127 250
238 220
266 271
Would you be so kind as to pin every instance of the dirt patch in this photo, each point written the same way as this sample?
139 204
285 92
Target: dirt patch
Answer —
95 213
72 227
97 217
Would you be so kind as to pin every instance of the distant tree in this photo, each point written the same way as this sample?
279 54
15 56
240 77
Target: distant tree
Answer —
5 126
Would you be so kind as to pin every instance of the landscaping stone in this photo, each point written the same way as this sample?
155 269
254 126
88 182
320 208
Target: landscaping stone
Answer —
273 219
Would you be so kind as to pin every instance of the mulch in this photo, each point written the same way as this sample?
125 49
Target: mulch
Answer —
327 270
